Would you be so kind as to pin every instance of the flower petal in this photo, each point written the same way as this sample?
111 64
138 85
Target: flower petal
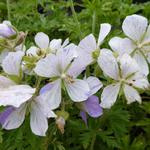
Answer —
5 114
48 67
139 80
46 88
5 82
134 27
42 40
16 95
109 95
128 65
104 31
32 51
88 44
92 106
94 83
108 64
147 35
38 121
122 45
53 96
141 61
55 44
131 94
78 90
83 116
12 63
16 118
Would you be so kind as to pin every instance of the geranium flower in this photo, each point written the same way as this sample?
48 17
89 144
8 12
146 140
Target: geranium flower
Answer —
13 117
6 30
22 98
126 76
91 106
45 46
58 68
137 44
88 48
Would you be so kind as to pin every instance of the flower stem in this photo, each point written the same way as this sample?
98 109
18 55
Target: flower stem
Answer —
93 142
8 9
93 22
75 17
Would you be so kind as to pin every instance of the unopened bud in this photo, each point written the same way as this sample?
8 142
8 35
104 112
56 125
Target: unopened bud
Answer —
6 30
60 121
21 37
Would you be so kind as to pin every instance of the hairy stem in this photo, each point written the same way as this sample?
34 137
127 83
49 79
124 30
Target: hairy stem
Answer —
93 22
8 9
93 142
75 18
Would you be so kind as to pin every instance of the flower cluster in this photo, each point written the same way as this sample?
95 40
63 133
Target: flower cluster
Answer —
64 67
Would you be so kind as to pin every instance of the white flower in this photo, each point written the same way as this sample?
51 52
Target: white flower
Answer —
39 114
137 44
126 75
12 63
89 48
12 94
45 46
59 67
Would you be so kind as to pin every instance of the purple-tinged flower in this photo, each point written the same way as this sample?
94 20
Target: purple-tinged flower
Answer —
91 106
6 30
59 68
5 114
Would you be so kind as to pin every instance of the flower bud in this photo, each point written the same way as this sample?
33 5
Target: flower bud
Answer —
20 37
6 30
60 121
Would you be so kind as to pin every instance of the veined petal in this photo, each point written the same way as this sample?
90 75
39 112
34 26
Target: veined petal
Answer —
128 65
109 95
104 31
131 94
108 64
46 88
43 105
122 45
94 83
5 114
15 95
12 63
42 40
55 44
134 27
32 51
147 35
16 118
38 120
48 67
139 80
92 106
53 96
88 44
141 61
78 90
5 82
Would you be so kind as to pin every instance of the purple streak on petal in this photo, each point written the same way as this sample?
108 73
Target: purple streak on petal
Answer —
83 116
5 114
46 88
6 31
92 106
